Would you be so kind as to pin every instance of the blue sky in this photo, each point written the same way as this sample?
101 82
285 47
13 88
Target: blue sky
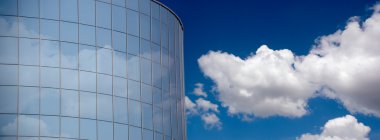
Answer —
239 28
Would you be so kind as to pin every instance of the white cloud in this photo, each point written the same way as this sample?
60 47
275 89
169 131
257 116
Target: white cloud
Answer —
343 128
190 106
206 106
342 66
199 91
211 121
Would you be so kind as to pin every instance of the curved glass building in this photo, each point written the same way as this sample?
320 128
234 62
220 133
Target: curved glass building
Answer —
90 70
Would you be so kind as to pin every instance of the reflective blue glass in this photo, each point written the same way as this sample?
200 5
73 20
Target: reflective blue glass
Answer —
69 127
133 22
144 6
103 38
147 112
133 45
87 12
120 64
69 103
104 105
120 41
29 75
104 61
133 67
49 9
50 101
145 26
119 19
8 7
29 8
105 130
8 26
87 58
121 131
147 134
133 4
50 77
120 87
69 79
8 75
49 29
69 10
133 90
29 100
49 55
8 99
69 31
87 34
146 70
49 126
134 112
29 51
88 129
69 55
7 122
28 125
121 110
87 105
104 84
103 15
145 50
146 94
87 81
135 133
29 27
9 50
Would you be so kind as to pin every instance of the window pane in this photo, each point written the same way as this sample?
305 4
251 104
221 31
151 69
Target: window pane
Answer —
28 8
87 34
29 51
156 31
163 15
134 133
104 107
156 53
29 100
88 129
88 105
121 132
7 123
157 97
105 130
50 101
49 126
165 79
165 57
133 4
49 29
132 22
103 15
87 12
87 58
145 26
120 87
69 127
133 67
28 125
166 121
119 2
8 26
146 69
156 75
87 81
147 116
134 113
120 41
8 75
9 50
104 84
29 75
157 136
120 64
69 79
69 32
49 9
146 93
69 55
119 18
145 6
69 103
104 61
121 110
145 50
155 10
157 118
49 53
8 100
29 27
133 45
103 38
147 135
8 7
133 90
50 77
69 10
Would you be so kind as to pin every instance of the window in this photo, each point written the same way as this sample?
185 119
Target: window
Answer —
133 67
87 81
49 9
144 6
155 10
133 45
69 103
29 51
156 31
156 53
120 64
103 15
146 69
121 110
69 79
8 100
145 50
49 77
28 125
87 34
120 41
7 120
29 100
88 129
49 53
157 75
158 136
69 10
166 121
69 32
133 90
87 12
146 93
119 2
134 133
103 38
157 119
104 84
8 75
104 61
105 130
69 55
87 105
120 87
133 4
163 15
157 97
29 75
49 29
165 79
104 107
134 113
9 26
147 135
165 57
147 116
50 126
145 26
28 8
9 50
87 58
8 7
133 22
69 127
29 27
119 19
50 101
121 132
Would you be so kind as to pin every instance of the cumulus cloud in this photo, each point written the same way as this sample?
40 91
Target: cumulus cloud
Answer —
342 66
190 106
343 128
211 121
199 91
206 110
206 105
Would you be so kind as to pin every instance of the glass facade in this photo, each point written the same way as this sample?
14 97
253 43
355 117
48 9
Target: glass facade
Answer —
90 70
